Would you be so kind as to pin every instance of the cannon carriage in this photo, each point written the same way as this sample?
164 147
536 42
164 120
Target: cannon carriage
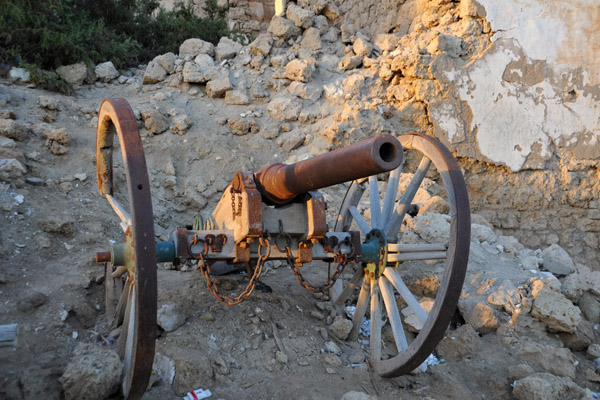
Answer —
278 213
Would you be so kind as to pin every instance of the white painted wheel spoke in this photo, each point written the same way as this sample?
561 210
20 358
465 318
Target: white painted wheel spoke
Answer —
119 272
426 255
131 338
390 196
374 202
375 343
120 211
387 293
406 294
360 221
348 290
361 309
407 198
412 247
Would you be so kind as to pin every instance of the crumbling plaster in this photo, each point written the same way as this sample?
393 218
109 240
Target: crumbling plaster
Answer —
535 88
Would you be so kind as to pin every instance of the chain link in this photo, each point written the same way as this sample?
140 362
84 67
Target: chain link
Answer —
228 301
330 282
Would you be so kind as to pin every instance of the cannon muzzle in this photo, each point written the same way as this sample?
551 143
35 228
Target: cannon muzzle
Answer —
280 183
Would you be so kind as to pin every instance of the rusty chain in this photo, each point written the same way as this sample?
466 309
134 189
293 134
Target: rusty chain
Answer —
212 286
343 261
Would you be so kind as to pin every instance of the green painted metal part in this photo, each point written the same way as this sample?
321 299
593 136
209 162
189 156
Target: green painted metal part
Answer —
165 252
374 253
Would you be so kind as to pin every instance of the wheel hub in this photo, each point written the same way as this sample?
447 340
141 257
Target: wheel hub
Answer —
374 253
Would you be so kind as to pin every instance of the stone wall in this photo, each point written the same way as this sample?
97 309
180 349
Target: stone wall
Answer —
513 88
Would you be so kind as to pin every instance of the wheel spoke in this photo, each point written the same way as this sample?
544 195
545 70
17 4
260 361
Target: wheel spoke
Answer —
123 337
410 247
374 202
120 211
129 343
120 311
360 272
407 198
430 255
390 196
119 272
375 343
387 293
361 309
406 294
360 221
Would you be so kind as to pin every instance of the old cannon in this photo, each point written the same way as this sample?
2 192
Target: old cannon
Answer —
278 213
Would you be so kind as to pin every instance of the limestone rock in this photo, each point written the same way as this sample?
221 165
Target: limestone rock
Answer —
58 226
94 372
300 17
283 28
451 45
341 327
333 360
298 70
49 102
227 49
284 109
590 307
545 386
320 22
13 129
155 122
332 12
557 260
31 301
506 296
480 316
434 228
169 317
192 367
218 87
19 75
545 280
106 71
387 41
75 74
288 142
331 35
167 61
305 91
581 339
181 122
555 360
57 141
242 126
556 311
348 63
311 39
11 170
471 8
574 285
236 97
458 343
154 73
362 47
192 73
195 46
261 46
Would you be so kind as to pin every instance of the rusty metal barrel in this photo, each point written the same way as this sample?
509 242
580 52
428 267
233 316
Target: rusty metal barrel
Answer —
280 183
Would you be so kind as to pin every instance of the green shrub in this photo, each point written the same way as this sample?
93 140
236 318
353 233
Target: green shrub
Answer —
50 33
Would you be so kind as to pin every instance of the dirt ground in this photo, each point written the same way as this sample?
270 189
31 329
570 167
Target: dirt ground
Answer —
49 286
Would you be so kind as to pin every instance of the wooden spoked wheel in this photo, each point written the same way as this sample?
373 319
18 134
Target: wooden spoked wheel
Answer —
131 289
387 286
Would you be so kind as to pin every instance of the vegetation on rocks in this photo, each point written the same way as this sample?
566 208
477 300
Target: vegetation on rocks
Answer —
51 33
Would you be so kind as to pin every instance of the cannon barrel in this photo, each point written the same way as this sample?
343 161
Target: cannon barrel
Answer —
280 183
